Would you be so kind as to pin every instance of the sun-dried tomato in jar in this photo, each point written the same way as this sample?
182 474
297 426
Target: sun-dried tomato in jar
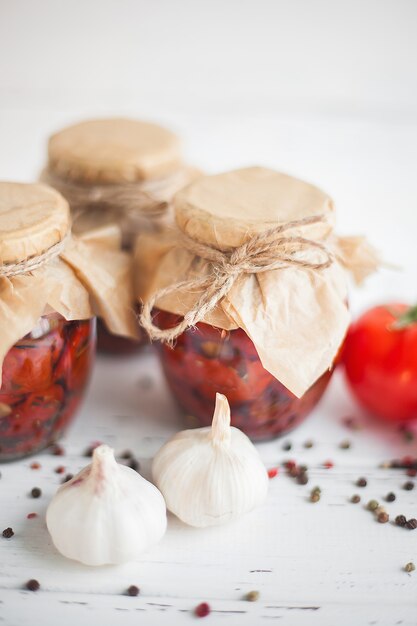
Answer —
249 299
117 170
51 287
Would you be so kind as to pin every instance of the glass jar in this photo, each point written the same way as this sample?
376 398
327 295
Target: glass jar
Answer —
209 360
45 376
108 343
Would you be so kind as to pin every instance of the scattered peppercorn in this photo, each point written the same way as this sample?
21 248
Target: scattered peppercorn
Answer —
67 478
351 423
302 479
133 591
411 472
355 499
272 472
57 450
287 445
379 509
361 482
316 490
126 454
89 451
31 515
60 469
202 610
390 497
8 532
408 486
308 444
252 596
36 492
411 524
32 585
289 465
410 567
315 496
345 444
35 465
383 517
400 520
134 464
328 464
373 505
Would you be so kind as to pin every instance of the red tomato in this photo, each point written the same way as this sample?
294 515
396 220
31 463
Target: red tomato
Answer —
380 361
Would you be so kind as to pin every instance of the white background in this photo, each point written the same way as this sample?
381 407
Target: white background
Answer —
327 91
324 90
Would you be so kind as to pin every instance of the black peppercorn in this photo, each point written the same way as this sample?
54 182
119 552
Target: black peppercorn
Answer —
390 497
408 486
8 532
36 492
355 499
302 479
411 524
32 585
400 520
67 478
361 482
287 446
308 444
133 590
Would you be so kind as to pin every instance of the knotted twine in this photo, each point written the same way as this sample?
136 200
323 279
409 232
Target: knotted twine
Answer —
265 251
29 265
126 200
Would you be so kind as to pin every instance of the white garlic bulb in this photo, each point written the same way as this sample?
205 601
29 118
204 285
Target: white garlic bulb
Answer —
209 476
108 513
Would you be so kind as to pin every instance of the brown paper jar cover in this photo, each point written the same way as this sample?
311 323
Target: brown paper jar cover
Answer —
119 170
296 316
44 268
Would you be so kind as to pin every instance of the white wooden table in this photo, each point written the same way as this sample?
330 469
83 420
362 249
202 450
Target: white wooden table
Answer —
314 564
325 563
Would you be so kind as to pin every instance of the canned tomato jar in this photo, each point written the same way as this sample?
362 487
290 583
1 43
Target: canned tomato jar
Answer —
249 298
120 171
52 285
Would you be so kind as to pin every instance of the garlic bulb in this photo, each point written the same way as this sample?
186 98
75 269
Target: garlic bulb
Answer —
209 476
108 513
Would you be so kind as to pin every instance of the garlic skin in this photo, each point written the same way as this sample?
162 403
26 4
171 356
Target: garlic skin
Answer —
209 476
107 514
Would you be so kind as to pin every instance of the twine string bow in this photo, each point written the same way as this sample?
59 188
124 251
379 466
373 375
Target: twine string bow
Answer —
269 250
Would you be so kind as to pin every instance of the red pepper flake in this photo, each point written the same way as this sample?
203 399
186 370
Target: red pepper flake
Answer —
290 465
60 469
328 464
31 515
272 472
202 610
35 465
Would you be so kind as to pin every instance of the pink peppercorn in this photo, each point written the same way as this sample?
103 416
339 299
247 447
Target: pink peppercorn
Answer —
32 515
202 610
273 472
328 464
35 465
